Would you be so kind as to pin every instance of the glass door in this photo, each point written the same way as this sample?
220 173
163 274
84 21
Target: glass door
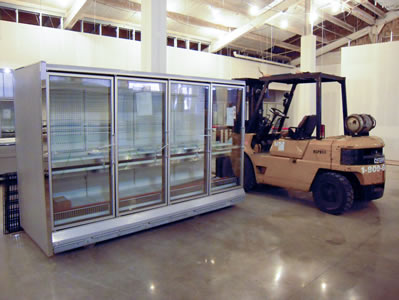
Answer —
188 140
141 144
7 116
226 162
80 139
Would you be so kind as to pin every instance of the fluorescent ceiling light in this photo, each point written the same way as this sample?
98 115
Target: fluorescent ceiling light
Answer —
215 12
313 17
284 24
253 10
335 6
64 4
172 6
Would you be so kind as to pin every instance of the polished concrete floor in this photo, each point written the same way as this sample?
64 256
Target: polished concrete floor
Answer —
275 245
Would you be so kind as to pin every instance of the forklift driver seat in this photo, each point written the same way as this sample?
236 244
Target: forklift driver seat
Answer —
304 129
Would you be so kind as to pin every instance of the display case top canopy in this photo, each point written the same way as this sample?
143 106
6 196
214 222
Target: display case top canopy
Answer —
145 75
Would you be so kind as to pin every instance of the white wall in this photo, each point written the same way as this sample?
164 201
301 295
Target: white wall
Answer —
331 97
23 45
373 88
306 92
195 63
332 116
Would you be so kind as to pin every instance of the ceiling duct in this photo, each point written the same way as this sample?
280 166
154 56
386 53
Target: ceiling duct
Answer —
389 4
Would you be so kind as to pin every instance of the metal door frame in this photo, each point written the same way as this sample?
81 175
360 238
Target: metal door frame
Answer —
242 130
207 141
165 145
48 125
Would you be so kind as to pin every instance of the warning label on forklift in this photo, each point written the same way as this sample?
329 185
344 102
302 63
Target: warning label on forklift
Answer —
280 145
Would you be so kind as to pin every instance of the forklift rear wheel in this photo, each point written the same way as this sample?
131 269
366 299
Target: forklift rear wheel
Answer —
249 175
333 193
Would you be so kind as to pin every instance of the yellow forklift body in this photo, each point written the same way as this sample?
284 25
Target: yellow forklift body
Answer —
294 164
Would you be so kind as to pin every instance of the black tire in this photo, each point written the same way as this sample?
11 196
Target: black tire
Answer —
333 193
249 175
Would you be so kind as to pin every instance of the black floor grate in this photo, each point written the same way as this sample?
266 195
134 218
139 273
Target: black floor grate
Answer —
11 204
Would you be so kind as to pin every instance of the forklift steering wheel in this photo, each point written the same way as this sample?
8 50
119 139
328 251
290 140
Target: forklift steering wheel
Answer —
278 112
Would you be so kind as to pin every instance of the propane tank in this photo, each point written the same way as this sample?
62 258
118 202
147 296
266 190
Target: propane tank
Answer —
359 124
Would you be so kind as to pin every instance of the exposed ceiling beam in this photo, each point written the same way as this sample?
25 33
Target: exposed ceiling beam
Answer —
265 54
251 36
358 13
380 23
343 41
293 30
338 43
128 5
390 16
133 26
281 44
196 21
335 20
74 13
33 7
287 46
380 13
261 61
278 56
338 22
225 5
362 15
268 12
256 37
121 4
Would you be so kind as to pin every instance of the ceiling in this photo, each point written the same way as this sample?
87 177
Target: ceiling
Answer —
389 4
275 26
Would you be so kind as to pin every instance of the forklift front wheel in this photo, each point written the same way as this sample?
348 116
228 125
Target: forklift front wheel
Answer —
333 193
249 175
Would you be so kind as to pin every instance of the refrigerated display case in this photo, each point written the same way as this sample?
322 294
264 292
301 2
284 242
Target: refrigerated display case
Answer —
103 153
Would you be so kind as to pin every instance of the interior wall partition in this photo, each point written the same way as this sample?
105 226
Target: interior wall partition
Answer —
125 151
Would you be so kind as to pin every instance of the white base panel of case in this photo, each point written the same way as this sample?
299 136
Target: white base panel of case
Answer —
84 235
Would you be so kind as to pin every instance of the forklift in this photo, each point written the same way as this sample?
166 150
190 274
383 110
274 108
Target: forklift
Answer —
337 170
